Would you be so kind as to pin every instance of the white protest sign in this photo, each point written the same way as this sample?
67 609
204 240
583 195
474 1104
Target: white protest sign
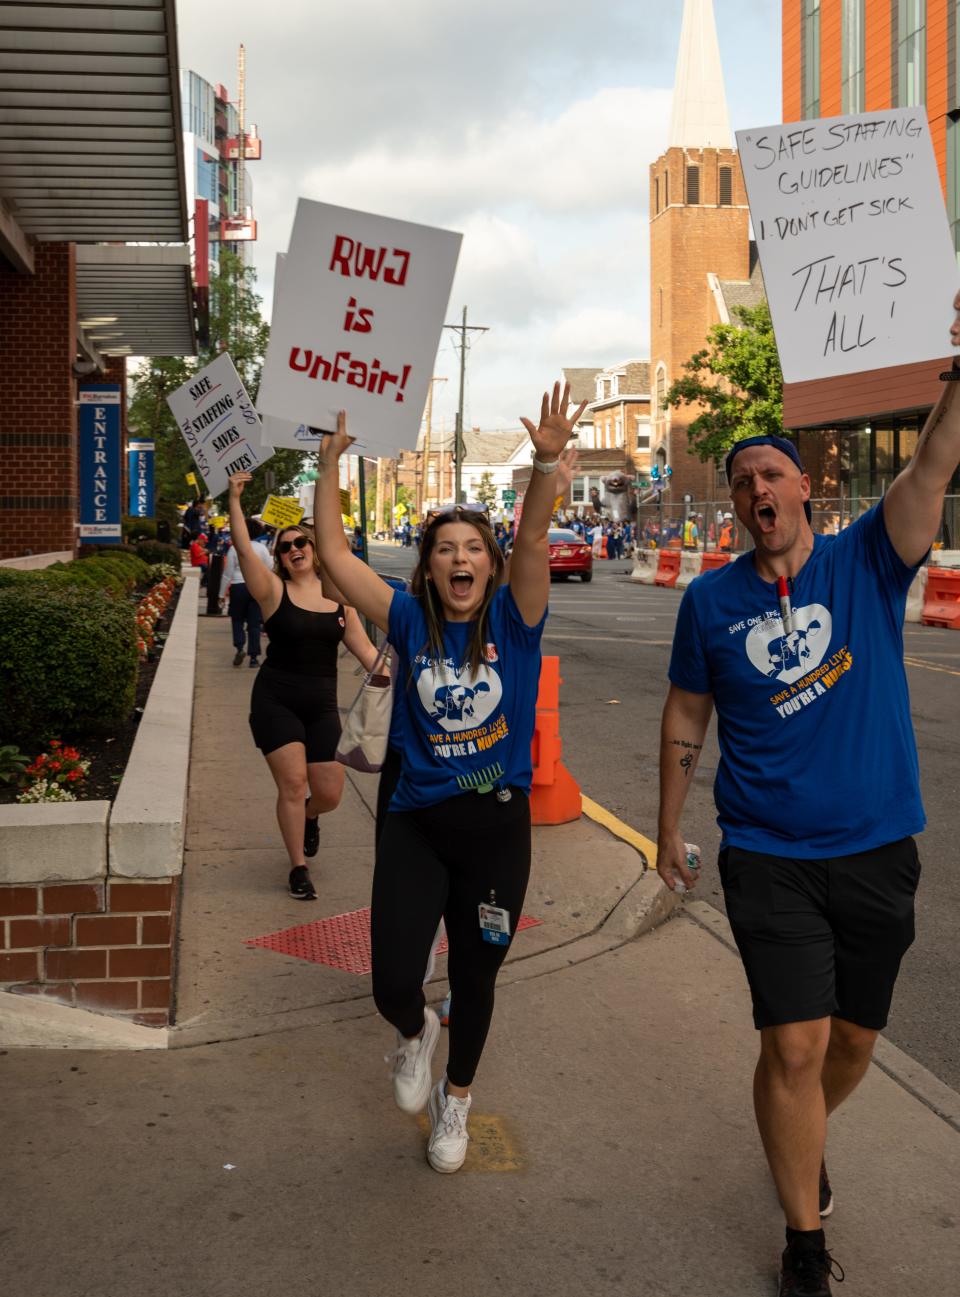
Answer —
356 324
219 424
281 432
854 244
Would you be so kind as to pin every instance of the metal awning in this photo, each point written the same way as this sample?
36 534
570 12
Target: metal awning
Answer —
91 153
136 301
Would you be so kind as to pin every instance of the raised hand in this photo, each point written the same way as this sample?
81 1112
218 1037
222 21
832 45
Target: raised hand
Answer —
555 428
237 482
335 443
567 471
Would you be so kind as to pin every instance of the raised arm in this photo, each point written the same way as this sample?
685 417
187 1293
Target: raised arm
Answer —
359 584
530 560
913 506
263 585
682 731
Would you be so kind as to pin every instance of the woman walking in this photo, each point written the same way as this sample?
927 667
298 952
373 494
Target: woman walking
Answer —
456 839
293 707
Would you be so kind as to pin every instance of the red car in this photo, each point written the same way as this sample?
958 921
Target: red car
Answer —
569 554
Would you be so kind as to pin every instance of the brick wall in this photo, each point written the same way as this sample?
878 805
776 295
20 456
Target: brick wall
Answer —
38 428
105 945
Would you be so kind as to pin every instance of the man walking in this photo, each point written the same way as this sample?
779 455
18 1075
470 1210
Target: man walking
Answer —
245 617
798 645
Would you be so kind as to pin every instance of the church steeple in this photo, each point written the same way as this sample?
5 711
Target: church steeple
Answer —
699 119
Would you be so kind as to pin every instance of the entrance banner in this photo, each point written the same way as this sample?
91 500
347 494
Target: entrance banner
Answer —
359 308
100 464
140 478
219 424
856 251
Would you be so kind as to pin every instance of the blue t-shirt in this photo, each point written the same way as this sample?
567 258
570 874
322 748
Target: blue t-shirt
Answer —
817 753
463 731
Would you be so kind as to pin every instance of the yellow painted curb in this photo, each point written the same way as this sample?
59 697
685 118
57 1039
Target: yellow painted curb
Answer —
620 830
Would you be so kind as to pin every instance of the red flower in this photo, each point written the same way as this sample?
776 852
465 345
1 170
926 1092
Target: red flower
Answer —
74 775
55 743
55 765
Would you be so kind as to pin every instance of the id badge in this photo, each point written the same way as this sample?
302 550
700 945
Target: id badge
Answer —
494 924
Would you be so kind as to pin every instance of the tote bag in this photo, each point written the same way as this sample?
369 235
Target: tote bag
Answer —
363 741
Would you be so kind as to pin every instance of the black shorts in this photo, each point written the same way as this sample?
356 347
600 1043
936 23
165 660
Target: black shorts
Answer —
289 708
822 938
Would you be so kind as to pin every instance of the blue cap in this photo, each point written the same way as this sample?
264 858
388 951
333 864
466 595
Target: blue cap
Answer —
778 443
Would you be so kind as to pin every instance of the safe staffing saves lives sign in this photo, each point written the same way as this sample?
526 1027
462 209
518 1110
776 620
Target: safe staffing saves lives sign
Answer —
219 424
357 320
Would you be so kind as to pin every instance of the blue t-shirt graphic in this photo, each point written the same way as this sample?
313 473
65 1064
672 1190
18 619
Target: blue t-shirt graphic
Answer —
460 730
817 752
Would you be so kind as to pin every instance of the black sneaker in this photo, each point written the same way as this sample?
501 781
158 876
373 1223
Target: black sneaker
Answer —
826 1193
311 835
806 1270
300 885
254 662
238 657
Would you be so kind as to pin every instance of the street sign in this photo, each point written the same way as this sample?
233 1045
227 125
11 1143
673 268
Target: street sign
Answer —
509 495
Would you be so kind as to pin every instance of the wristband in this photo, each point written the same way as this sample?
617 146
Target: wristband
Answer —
952 375
546 466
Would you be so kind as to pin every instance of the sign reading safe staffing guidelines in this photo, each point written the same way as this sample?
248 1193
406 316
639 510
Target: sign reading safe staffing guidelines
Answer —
357 322
219 424
854 243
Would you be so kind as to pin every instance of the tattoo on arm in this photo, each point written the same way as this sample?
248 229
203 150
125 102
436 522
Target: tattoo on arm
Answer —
686 762
682 743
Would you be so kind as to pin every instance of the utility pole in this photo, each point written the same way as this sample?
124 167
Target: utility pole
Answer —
423 484
463 329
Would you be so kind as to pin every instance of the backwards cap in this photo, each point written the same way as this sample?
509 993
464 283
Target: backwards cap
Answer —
778 443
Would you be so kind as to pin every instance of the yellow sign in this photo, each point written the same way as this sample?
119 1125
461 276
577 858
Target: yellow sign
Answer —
281 511
191 479
219 521
557 503
400 510
344 501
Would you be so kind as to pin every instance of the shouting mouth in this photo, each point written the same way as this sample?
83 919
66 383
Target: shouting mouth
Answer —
766 516
461 583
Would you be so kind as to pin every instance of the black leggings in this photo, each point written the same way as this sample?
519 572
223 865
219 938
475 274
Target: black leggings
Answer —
447 860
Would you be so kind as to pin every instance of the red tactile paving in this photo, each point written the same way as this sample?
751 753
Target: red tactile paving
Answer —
342 941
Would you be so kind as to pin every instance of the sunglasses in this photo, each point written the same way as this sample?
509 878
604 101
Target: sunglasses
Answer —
285 546
452 512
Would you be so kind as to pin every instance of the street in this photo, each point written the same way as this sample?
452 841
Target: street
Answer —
613 639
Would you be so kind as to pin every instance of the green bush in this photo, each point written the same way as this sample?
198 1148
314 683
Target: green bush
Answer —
68 661
139 528
155 551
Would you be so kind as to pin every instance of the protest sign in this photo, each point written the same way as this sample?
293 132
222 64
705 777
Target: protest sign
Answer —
344 501
854 244
281 432
219 424
281 511
359 308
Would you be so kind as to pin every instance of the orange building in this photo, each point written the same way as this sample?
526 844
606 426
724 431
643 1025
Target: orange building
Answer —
853 56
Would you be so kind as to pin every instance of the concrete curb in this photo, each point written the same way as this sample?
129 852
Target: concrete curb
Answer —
149 814
29 1022
45 842
900 1067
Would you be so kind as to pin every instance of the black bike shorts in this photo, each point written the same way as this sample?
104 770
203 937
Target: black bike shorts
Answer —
290 708
822 938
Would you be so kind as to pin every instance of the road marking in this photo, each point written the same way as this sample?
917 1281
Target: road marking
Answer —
600 815
930 666
492 1147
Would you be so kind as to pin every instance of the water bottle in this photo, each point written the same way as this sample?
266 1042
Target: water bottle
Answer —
693 864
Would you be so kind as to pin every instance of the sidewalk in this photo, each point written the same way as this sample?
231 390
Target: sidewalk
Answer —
614 1149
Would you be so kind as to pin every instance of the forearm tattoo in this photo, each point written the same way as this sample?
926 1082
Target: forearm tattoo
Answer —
689 756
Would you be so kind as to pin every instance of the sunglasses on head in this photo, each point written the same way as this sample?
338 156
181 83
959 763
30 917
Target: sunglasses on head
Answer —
454 511
300 542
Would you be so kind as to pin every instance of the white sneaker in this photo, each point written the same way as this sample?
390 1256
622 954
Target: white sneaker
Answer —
411 1060
448 1129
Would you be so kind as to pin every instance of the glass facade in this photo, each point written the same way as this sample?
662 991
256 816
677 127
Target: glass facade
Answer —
811 59
854 54
911 53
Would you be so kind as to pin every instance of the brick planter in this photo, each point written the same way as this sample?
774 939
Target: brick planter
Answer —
89 891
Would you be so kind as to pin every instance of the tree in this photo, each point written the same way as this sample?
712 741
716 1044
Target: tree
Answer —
738 382
487 491
237 326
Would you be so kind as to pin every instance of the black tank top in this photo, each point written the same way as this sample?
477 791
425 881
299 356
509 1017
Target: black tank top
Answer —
302 641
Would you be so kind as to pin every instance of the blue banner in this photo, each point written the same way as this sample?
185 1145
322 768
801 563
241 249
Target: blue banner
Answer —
140 478
100 465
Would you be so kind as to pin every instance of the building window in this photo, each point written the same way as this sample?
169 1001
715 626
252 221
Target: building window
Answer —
661 390
656 194
853 88
693 186
618 432
580 490
911 53
660 306
810 58
666 189
643 438
726 186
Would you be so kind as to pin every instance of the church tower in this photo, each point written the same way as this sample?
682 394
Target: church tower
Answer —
699 240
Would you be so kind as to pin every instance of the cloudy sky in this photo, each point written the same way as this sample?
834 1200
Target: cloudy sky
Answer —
529 126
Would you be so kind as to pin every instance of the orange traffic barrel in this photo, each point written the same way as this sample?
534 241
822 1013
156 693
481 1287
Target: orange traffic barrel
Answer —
941 603
668 567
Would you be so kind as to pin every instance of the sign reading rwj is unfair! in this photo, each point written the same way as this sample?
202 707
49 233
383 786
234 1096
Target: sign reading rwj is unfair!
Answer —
854 243
219 424
357 322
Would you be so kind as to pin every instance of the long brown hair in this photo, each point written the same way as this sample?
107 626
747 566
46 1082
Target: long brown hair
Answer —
430 602
278 566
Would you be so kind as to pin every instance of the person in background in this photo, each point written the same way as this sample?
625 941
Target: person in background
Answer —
198 555
246 619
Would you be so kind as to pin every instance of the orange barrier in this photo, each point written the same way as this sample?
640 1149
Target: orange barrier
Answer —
716 558
668 567
941 603
555 794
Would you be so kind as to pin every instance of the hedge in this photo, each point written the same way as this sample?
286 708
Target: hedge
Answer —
68 662
157 551
119 573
